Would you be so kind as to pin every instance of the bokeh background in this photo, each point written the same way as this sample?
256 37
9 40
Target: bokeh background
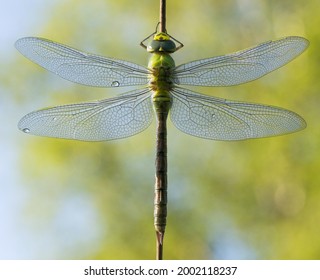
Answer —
255 199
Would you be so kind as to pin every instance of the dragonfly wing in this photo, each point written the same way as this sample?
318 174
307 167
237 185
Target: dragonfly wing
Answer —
107 119
220 119
242 66
81 67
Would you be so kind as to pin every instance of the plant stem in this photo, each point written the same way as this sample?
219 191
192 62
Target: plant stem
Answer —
162 16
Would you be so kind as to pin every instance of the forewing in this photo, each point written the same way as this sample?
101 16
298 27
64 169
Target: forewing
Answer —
240 67
81 67
107 119
221 119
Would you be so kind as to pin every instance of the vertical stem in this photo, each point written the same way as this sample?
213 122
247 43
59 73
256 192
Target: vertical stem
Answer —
162 15
160 192
162 106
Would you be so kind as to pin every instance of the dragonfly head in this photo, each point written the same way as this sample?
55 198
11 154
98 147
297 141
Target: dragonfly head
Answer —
161 43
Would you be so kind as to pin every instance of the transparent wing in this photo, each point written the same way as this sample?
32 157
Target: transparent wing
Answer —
107 119
81 67
219 119
240 67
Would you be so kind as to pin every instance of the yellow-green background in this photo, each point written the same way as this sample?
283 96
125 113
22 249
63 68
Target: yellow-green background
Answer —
256 199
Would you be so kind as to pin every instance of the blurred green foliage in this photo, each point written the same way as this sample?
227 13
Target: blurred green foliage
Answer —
256 199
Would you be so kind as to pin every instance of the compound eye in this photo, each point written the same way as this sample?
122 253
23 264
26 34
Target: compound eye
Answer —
154 46
168 46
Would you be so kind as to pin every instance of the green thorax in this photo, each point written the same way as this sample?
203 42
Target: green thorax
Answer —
161 65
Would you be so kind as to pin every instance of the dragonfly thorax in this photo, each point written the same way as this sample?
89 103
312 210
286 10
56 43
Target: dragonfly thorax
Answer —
161 43
160 66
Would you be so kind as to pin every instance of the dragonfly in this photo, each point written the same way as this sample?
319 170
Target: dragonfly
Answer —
161 94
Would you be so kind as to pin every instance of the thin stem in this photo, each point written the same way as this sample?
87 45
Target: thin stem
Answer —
159 254
162 16
160 192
